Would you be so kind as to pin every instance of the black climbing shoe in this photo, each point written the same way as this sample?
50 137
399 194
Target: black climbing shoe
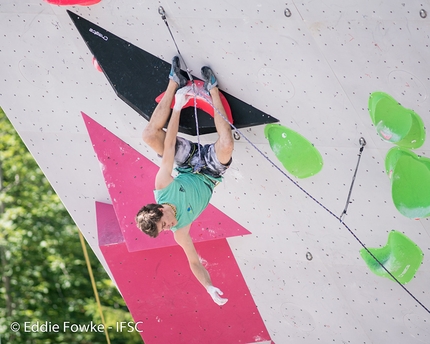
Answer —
175 73
209 78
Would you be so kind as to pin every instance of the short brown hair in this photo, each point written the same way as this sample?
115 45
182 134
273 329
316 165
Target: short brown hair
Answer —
148 217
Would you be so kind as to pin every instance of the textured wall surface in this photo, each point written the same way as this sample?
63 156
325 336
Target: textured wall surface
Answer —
314 71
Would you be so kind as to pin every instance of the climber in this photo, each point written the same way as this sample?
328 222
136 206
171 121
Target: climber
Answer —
181 200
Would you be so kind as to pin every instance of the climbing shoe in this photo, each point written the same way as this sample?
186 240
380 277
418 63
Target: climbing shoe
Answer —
175 73
209 78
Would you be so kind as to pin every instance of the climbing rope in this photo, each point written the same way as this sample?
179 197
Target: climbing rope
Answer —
96 294
163 16
238 133
322 205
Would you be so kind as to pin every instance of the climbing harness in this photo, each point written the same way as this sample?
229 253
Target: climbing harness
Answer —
362 143
238 133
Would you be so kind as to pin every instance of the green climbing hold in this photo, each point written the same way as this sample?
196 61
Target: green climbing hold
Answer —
410 182
394 123
393 156
400 256
297 154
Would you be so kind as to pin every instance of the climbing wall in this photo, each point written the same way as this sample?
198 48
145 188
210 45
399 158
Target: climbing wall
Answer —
313 66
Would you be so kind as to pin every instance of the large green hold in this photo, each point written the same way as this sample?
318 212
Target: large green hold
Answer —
400 256
395 123
296 153
410 182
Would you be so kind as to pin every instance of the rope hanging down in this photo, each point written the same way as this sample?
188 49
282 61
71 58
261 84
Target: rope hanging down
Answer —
93 283
339 218
163 16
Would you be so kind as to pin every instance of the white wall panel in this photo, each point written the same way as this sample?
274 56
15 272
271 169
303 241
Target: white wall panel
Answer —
314 71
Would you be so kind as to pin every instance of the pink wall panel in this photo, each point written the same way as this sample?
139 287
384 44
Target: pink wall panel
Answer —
162 293
130 177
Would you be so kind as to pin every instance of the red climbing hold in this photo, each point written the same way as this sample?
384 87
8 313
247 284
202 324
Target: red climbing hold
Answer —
96 65
73 2
203 100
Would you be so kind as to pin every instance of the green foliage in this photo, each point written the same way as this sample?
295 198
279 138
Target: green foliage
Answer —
44 277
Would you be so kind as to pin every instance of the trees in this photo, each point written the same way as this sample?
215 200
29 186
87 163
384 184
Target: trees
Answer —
44 278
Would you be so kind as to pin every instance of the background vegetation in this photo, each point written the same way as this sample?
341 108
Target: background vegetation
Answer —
44 277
